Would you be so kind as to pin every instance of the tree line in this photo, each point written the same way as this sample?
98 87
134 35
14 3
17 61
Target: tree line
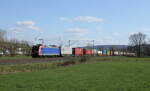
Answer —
12 47
138 44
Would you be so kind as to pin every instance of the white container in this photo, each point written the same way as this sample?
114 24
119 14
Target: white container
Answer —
95 52
121 53
116 53
66 50
100 52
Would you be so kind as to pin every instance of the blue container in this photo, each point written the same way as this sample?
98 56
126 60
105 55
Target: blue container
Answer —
50 51
104 52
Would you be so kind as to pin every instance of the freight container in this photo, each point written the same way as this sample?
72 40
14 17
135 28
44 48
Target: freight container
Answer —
108 52
100 53
104 52
116 53
87 51
95 52
121 53
124 53
111 53
130 54
77 51
49 51
66 51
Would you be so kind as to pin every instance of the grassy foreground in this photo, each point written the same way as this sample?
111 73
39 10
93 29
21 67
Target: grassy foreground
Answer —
14 57
97 76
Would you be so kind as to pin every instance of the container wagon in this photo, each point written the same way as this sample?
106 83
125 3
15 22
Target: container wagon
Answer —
104 52
108 52
66 51
77 51
88 52
116 53
95 52
100 53
111 53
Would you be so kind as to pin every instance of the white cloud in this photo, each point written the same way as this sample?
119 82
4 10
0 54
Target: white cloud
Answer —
27 25
82 19
76 30
88 19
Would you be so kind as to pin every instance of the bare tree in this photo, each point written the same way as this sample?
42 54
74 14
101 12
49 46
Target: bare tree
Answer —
13 47
2 34
137 40
2 39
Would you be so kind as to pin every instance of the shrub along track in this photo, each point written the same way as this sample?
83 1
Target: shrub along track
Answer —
32 60
70 58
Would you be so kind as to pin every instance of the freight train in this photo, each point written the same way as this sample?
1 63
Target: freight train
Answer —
56 51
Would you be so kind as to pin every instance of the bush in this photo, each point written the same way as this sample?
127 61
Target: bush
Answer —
83 59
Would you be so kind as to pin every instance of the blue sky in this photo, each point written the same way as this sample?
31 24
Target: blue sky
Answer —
105 21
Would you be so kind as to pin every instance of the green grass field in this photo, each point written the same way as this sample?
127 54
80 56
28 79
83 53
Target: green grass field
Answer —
96 76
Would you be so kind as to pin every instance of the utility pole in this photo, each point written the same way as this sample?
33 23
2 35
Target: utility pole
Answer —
69 42
93 44
93 48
